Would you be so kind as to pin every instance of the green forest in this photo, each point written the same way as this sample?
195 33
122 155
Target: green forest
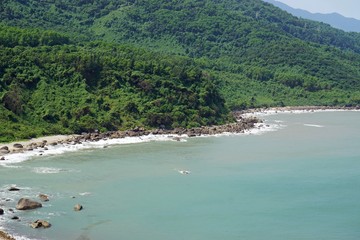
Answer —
77 66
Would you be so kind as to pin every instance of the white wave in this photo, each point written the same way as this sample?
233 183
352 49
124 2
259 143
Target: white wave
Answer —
48 170
84 193
15 158
314 125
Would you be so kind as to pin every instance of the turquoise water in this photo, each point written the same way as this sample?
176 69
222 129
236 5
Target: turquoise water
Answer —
301 181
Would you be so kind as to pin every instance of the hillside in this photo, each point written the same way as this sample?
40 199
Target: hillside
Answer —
334 19
52 87
170 63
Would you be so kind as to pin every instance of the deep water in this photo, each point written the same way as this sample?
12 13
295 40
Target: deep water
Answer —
300 181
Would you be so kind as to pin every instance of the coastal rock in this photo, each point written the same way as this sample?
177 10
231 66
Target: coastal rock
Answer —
4 148
18 150
26 204
18 145
43 197
78 207
176 139
14 189
1 211
4 151
40 223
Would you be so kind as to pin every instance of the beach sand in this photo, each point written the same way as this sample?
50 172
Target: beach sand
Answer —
48 139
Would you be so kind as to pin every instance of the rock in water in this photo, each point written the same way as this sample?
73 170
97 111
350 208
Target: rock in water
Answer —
13 189
43 197
26 204
1 211
40 223
78 207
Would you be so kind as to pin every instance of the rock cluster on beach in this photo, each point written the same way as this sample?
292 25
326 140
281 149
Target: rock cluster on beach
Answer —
240 126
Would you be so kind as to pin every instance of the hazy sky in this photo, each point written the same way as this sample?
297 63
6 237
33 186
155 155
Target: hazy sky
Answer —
348 8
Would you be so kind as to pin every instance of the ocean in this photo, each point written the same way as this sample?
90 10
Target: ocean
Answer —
297 178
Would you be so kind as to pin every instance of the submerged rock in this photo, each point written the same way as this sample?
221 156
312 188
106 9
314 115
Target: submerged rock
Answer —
26 204
43 197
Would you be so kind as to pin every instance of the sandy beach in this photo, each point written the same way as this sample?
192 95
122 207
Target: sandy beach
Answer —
47 139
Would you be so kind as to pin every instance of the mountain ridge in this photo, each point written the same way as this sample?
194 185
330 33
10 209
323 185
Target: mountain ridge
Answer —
334 19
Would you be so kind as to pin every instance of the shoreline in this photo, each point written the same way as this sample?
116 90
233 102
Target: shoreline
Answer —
42 145
296 108
245 120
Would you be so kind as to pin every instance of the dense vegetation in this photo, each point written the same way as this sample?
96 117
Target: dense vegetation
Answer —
72 66
68 88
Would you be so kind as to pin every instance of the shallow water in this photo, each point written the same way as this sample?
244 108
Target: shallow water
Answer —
299 182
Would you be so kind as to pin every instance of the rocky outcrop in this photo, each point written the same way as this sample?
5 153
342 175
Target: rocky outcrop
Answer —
78 207
40 223
26 204
239 126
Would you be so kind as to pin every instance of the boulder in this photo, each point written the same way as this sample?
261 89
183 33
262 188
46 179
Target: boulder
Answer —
26 204
14 189
43 197
78 207
1 211
2 158
4 148
14 218
18 145
40 223
4 151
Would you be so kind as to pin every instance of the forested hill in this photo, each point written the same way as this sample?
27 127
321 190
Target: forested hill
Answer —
163 62
192 26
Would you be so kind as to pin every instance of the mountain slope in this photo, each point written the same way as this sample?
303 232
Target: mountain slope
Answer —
334 19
